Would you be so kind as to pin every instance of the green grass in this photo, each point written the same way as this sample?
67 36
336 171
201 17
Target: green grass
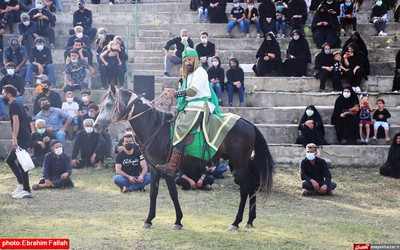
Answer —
95 215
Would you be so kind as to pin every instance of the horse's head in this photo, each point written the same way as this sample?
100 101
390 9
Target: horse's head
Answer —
113 108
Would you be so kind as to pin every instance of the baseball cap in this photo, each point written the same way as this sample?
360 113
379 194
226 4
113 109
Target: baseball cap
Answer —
42 77
80 2
14 42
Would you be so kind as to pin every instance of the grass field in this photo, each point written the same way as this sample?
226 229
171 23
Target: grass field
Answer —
365 208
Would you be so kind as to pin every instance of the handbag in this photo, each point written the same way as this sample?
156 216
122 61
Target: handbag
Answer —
24 159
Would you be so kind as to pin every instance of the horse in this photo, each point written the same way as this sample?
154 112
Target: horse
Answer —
152 128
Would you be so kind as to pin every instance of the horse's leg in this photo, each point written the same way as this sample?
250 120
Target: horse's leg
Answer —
252 208
154 184
242 204
173 193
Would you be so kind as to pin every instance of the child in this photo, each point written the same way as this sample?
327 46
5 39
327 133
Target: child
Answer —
338 68
280 19
381 115
365 117
70 107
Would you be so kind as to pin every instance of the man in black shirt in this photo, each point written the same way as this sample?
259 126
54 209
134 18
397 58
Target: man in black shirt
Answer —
43 19
83 17
15 81
10 13
41 62
78 35
40 142
91 146
20 138
194 177
16 54
206 50
54 97
179 42
130 168
27 31
315 173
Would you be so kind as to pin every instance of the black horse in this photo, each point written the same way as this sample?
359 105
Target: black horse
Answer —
152 129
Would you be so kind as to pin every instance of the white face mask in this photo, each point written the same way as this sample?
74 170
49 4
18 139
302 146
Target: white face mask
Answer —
327 51
40 47
215 64
79 34
89 130
10 72
74 60
346 94
296 37
128 132
236 5
203 40
102 36
310 156
58 151
309 112
184 38
26 23
85 98
70 99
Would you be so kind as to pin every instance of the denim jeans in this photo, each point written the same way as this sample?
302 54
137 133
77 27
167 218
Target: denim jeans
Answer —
121 181
3 111
217 89
218 173
60 135
203 14
21 72
281 23
240 91
58 5
172 60
247 23
380 26
49 69
232 24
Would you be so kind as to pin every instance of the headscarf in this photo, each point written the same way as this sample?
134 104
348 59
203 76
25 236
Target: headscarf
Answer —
300 47
269 46
343 104
316 117
394 151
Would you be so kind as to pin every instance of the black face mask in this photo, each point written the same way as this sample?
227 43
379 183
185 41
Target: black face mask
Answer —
81 7
5 100
129 146
45 90
46 107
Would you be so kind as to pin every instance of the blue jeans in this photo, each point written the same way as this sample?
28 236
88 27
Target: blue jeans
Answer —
58 5
217 89
60 135
232 24
240 91
380 26
3 111
121 181
247 23
49 69
281 23
21 72
203 14
218 173
172 60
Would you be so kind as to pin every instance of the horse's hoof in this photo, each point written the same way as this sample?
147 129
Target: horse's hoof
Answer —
248 225
177 227
146 225
233 228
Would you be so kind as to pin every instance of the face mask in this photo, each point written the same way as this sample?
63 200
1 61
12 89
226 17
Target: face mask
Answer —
215 64
40 47
184 38
70 99
46 107
91 114
346 94
89 130
279 7
85 98
79 34
58 151
309 112
203 40
329 2
81 7
351 51
236 5
41 130
327 51
129 146
348 4
39 6
296 37
250 6
26 23
128 132
5 100
10 71
74 60
45 90
6 1
310 156
379 3
102 36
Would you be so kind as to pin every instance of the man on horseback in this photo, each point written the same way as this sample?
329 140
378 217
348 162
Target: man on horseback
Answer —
194 98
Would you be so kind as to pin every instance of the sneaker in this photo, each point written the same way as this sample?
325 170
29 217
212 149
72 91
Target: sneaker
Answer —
366 141
247 35
342 32
258 35
278 36
167 74
306 192
207 187
357 90
362 140
125 189
110 3
23 194
19 188
35 186
382 33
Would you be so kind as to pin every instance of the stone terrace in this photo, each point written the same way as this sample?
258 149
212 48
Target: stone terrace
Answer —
275 104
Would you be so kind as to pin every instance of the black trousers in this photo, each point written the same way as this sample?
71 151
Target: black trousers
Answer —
336 79
19 172
345 21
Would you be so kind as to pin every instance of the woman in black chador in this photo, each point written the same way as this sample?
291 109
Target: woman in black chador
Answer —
298 56
311 128
345 115
355 37
391 167
325 27
217 11
268 57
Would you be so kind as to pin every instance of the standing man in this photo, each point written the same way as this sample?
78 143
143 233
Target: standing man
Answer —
205 49
315 174
195 97
20 138
179 42
83 17
130 168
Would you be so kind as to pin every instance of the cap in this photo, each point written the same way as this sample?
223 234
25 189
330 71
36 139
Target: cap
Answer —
14 42
128 126
54 142
39 40
80 1
42 77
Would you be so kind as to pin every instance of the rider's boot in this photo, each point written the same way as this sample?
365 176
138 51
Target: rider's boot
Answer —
171 166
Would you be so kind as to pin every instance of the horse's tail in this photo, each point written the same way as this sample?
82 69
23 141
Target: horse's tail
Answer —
265 164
